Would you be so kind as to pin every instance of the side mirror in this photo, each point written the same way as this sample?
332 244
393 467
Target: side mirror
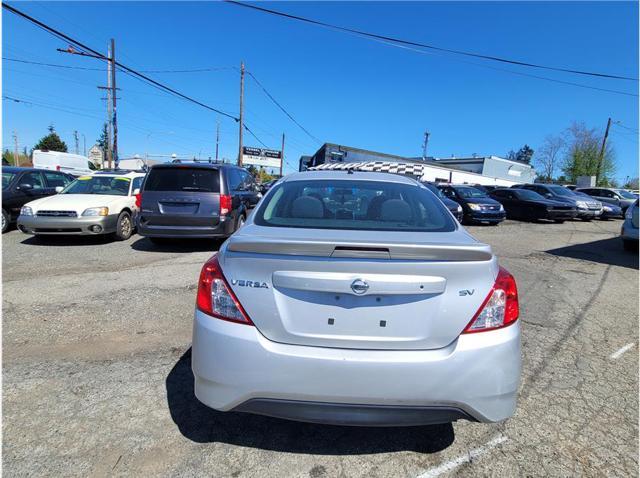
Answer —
25 187
135 192
59 189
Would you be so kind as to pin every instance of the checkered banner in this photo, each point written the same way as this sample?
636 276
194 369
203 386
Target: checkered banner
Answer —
375 166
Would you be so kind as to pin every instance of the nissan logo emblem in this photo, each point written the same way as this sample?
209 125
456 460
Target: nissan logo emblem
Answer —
359 286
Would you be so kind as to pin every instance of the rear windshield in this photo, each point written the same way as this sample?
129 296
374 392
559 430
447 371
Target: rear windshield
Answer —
183 179
355 205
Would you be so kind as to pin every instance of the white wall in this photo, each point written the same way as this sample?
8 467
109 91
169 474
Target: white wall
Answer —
433 173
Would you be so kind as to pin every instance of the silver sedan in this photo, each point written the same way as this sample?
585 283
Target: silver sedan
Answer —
355 298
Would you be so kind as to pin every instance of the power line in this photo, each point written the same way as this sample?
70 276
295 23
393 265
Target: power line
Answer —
519 73
73 67
125 68
426 45
618 123
282 108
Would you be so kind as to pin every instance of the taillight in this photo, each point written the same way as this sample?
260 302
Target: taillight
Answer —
139 200
215 297
500 308
58 167
225 204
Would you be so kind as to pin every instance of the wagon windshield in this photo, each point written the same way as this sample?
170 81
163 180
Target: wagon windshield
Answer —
355 205
107 185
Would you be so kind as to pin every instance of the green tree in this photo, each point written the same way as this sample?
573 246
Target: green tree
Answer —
523 155
51 142
104 138
582 155
631 184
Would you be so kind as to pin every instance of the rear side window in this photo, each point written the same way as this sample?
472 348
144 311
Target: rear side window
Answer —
183 179
361 205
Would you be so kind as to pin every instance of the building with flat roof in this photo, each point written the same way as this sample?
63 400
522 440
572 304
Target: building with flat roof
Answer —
488 170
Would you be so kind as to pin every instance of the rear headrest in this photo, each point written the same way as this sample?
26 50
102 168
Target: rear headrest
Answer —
395 210
307 207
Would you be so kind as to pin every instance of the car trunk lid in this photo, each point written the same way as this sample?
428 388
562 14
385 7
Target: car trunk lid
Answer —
402 290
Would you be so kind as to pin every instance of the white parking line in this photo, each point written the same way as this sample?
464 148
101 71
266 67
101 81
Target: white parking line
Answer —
461 460
620 351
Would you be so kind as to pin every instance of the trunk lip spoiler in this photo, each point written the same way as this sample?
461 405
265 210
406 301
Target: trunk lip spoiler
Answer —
396 251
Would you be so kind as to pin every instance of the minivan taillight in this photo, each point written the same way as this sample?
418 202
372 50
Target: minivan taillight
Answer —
215 297
500 308
139 200
58 167
225 204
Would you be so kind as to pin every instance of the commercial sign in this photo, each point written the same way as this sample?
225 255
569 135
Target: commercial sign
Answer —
267 158
96 155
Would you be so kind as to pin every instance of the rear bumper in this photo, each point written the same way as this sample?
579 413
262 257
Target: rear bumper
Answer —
147 228
67 225
236 368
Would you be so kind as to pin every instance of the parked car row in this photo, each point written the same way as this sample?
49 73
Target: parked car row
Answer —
173 200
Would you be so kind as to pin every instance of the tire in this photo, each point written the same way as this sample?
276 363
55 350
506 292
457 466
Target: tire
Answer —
586 219
559 221
6 220
124 226
630 246
241 221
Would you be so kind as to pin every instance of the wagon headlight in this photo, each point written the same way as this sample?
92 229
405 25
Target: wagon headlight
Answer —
459 208
501 207
26 211
96 211
581 205
474 207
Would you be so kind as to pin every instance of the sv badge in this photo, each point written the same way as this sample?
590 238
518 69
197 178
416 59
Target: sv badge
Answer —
465 292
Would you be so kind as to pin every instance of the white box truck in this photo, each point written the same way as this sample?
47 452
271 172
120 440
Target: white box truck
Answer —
74 164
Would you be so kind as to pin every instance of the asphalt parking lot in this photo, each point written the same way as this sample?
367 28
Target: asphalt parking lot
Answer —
97 379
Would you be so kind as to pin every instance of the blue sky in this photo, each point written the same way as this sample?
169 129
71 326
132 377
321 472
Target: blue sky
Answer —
342 88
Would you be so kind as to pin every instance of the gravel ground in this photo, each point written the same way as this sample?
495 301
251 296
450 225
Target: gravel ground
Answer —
97 380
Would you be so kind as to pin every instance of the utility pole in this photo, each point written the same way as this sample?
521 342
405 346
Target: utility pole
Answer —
75 137
16 159
217 139
424 145
282 155
116 160
602 149
84 144
241 120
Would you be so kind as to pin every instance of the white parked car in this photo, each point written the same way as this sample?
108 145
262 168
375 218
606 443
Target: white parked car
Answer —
103 203
74 164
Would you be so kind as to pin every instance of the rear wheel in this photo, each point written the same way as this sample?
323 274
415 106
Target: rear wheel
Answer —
5 221
558 221
124 227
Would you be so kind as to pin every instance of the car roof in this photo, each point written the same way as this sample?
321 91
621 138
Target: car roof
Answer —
194 164
114 174
18 169
351 176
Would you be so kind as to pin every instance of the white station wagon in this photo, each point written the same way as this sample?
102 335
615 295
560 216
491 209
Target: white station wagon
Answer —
102 203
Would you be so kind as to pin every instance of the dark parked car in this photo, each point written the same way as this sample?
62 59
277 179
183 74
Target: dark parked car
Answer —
530 206
452 206
485 188
587 208
477 207
195 200
617 197
264 187
23 185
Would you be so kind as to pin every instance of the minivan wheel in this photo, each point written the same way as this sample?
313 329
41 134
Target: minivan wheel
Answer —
5 221
124 227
